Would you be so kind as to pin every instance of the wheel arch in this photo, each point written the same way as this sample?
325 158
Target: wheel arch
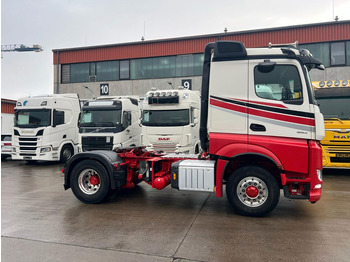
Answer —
253 159
65 143
105 158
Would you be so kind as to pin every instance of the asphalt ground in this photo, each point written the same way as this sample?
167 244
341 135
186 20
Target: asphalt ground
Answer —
42 222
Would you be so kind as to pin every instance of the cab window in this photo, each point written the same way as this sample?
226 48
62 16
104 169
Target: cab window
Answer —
279 82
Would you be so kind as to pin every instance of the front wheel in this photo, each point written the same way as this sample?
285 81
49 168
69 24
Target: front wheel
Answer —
66 153
252 191
89 182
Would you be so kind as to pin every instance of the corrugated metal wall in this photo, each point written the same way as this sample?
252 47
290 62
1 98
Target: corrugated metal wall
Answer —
7 106
334 31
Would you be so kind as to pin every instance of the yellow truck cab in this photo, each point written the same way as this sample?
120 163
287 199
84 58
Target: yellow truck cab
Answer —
334 100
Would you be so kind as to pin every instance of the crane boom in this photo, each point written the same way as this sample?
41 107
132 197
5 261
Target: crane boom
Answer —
21 48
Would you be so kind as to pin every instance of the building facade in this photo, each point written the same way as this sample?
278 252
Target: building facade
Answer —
134 68
7 111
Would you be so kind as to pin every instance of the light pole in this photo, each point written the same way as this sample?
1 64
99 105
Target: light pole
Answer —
91 91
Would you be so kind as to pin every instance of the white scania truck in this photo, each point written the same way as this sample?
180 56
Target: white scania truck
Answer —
46 127
110 122
170 121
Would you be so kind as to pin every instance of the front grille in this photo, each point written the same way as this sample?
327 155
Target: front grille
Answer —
27 146
33 139
27 154
340 159
167 148
90 143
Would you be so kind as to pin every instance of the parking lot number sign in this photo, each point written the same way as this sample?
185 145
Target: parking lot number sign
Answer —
187 83
104 89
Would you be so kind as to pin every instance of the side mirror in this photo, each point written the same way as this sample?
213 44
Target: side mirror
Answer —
54 118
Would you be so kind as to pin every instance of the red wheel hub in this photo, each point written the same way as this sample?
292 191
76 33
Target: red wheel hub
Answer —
94 180
252 192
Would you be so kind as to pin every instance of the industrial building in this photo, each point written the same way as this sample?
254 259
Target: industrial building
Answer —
134 68
7 110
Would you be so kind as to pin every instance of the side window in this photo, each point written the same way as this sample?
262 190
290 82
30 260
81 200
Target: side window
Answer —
126 119
280 82
58 117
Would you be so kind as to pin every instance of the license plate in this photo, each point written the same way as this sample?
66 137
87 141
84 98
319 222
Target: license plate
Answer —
27 158
344 155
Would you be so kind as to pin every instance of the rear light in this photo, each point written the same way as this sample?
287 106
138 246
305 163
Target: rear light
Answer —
7 144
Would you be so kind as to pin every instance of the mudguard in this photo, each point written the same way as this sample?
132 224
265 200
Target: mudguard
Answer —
107 158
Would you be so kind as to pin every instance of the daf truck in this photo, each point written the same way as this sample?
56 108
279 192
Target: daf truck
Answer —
170 121
260 128
333 97
110 122
46 127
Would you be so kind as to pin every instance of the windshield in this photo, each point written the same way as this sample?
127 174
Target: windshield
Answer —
166 117
106 120
32 118
335 107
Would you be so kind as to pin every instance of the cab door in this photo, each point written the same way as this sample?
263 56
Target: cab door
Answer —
280 121
278 100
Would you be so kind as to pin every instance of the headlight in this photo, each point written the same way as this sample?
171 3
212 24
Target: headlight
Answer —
45 150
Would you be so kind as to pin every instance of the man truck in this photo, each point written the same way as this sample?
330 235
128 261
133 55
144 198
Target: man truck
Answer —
170 121
46 127
260 128
333 97
108 123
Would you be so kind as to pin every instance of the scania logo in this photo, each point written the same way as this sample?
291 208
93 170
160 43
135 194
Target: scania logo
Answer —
342 137
163 138
27 132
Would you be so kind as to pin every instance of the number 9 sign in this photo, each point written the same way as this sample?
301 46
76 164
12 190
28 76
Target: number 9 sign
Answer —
187 83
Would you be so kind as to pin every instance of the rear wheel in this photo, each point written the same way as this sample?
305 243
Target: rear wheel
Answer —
252 191
89 182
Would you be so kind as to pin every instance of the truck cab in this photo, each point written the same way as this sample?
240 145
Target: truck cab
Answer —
170 121
334 104
46 128
107 123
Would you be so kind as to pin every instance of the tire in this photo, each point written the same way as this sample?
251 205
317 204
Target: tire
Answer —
66 153
90 182
252 191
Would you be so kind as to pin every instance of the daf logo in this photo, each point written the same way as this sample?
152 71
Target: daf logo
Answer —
342 137
163 138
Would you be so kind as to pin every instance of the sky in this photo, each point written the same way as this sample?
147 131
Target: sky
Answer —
57 24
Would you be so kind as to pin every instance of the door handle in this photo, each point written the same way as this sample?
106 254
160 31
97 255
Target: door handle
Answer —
257 128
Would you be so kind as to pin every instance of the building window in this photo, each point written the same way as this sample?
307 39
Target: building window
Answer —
198 64
79 72
107 71
348 53
65 74
124 69
184 65
319 51
144 68
337 53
